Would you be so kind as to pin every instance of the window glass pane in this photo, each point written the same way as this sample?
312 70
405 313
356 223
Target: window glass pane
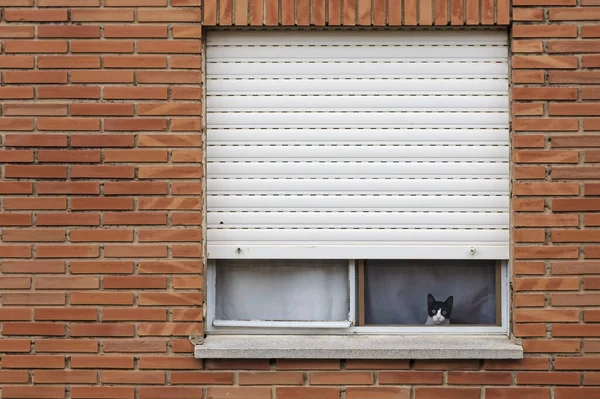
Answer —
396 290
292 290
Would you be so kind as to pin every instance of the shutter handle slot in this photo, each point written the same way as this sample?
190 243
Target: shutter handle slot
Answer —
472 251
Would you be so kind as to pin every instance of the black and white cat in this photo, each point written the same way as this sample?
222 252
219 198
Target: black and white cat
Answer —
438 313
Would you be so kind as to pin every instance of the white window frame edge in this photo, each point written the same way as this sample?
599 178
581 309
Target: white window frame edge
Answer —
235 327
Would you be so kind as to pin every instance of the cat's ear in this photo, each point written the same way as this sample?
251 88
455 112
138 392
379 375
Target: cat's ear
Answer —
430 300
449 301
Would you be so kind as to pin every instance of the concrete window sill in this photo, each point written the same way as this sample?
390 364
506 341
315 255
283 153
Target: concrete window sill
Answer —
358 347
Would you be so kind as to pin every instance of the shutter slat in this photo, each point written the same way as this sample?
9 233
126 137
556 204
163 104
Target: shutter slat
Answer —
380 86
370 102
357 169
298 152
364 186
294 136
359 219
244 119
358 69
457 203
354 53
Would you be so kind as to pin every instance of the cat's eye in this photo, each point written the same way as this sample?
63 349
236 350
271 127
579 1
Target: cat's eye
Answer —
444 313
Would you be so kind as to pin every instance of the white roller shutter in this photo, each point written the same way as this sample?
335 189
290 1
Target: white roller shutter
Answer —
358 144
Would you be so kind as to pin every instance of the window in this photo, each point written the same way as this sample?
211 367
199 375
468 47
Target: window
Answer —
350 174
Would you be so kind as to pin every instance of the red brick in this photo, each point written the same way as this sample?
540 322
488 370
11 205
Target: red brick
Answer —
68 92
134 218
531 363
65 377
33 266
521 393
67 251
546 315
135 346
411 377
134 251
101 15
101 298
33 362
136 124
66 346
304 393
135 61
479 378
56 31
577 363
67 187
135 93
69 156
33 235
568 393
70 314
132 31
67 219
102 330
101 362
99 267
66 282
31 392
447 393
177 393
117 314
15 314
82 392
68 124
340 378
23 328
547 378
22 15
36 140
133 377
14 376
33 298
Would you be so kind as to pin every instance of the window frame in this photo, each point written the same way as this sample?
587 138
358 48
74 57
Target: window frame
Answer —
214 324
335 327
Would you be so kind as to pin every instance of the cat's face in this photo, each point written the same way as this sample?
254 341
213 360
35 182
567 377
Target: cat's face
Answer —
439 311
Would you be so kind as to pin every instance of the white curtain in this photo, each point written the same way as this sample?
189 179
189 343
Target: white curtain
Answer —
300 290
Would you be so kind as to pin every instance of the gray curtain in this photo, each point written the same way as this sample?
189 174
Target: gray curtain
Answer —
300 290
396 290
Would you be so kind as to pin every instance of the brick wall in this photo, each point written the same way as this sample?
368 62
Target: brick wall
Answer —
101 251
